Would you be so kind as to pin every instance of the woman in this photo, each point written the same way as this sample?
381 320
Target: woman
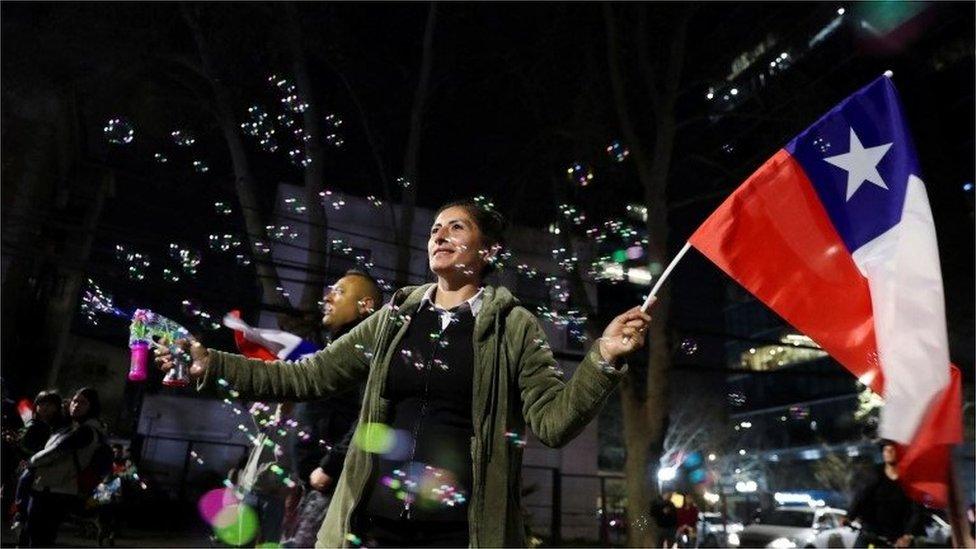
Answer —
56 468
453 372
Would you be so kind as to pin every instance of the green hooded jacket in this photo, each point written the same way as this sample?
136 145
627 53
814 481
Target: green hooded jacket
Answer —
516 382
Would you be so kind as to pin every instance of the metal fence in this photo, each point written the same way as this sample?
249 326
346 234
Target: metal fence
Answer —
574 508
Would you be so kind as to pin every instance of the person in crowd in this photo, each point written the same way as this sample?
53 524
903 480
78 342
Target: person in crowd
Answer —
55 490
46 420
329 421
687 519
110 494
10 426
665 515
452 369
888 517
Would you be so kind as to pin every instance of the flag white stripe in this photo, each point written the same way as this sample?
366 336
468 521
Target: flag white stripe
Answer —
903 272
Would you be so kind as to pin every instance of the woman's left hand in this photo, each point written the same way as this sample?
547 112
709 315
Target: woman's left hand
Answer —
625 334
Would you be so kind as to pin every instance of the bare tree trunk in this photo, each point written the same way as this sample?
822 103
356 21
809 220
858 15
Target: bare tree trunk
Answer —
412 154
61 306
243 178
646 408
314 182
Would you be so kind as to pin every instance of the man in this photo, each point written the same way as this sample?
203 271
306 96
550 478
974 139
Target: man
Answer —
46 420
888 516
329 422
665 515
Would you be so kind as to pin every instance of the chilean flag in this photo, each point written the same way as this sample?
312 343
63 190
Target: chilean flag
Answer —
267 344
835 234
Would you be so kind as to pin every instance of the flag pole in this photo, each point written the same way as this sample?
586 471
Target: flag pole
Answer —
957 513
664 276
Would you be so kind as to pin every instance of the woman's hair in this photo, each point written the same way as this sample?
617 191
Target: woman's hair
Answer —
94 402
491 224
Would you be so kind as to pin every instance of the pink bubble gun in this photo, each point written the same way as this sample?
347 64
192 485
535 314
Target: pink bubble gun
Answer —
147 327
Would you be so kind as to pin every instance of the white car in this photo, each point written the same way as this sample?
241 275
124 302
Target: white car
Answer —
788 527
938 533
711 529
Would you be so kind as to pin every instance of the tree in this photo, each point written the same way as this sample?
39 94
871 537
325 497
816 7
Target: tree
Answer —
645 404
244 181
411 156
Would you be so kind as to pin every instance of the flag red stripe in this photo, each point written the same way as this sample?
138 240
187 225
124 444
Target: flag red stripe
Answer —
923 464
773 236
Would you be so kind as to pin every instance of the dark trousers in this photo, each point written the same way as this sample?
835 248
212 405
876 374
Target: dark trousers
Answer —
311 513
45 513
22 496
382 532
870 539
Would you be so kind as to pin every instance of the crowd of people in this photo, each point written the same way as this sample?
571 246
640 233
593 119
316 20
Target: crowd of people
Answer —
58 463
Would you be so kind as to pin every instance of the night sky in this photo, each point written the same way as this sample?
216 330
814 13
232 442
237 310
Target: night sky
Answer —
519 93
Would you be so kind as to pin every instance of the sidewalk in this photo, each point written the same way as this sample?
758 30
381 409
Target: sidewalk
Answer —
72 535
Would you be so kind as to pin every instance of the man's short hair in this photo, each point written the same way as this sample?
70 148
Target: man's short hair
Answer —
372 288
48 397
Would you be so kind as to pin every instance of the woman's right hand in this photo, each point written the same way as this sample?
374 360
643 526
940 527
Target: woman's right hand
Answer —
199 355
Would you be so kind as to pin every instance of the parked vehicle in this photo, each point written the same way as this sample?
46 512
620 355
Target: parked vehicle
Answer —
787 527
938 533
711 529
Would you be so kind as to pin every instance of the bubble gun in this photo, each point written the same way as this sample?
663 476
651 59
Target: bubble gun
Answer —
153 329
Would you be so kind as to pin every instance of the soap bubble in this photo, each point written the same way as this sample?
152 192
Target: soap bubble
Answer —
617 151
295 205
183 138
736 398
160 158
375 438
215 501
335 140
200 166
799 412
689 346
333 121
403 182
188 258
579 174
236 524
294 103
118 131
223 208
285 121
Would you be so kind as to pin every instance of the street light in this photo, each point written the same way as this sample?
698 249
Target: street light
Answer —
665 474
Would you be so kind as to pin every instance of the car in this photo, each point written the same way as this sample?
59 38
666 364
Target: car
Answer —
938 533
711 529
787 527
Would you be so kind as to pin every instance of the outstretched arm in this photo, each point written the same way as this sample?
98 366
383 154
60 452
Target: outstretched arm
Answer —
338 367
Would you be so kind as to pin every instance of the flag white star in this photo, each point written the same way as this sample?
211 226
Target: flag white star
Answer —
861 164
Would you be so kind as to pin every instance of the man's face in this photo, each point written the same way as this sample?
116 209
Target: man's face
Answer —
341 305
455 242
46 411
889 454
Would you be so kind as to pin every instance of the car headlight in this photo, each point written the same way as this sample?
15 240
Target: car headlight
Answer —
782 543
733 539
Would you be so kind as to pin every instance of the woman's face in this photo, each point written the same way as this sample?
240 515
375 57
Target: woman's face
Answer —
454 246
79 406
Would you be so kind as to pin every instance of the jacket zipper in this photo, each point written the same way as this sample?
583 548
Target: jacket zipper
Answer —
387 336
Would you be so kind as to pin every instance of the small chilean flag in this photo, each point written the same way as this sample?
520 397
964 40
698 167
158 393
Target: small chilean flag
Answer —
267 344
835 234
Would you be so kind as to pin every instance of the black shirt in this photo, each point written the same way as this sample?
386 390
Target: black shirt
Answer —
426 475
884 509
